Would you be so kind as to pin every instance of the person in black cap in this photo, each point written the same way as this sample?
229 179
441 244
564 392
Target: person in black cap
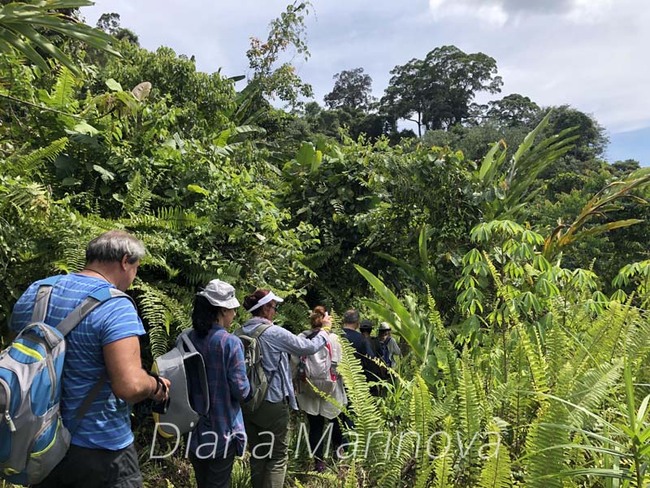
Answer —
366 331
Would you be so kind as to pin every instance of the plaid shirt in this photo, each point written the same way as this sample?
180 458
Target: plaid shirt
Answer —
224 363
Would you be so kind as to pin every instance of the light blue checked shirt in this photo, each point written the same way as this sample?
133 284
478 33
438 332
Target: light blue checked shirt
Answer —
276 343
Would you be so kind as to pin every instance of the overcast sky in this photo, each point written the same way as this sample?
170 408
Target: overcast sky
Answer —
590 54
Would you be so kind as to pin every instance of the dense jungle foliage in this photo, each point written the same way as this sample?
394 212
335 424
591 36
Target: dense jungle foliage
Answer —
509 257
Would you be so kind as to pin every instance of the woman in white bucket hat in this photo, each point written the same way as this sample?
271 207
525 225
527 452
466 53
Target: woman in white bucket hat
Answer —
220 436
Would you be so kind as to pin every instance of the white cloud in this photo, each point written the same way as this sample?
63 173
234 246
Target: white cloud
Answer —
499 12
587 53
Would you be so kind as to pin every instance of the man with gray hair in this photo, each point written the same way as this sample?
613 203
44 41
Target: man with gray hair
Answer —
102 354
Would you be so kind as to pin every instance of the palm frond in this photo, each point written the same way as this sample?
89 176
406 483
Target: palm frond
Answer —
18 23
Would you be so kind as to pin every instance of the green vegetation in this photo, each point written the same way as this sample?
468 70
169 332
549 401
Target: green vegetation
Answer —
511 260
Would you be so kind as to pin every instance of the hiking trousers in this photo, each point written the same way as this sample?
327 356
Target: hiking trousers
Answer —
95 468
267 429
213 472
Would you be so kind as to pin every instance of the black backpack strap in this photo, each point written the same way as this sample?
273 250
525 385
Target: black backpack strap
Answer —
86 404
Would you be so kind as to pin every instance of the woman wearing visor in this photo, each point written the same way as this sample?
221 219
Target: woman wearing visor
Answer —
267 427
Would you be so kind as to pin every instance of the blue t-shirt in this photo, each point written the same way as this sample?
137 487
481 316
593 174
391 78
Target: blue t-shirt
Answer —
106 424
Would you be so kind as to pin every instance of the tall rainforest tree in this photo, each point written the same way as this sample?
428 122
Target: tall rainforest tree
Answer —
352 91
110 23
513 110
277 79
436 92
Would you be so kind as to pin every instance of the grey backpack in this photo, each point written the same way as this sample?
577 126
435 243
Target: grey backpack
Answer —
189 396
33 438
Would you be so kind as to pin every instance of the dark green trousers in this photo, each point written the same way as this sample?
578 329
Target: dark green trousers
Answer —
267 430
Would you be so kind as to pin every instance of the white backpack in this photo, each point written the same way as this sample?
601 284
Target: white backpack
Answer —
318 370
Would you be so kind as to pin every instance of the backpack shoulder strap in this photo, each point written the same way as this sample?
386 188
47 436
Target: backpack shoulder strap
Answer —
312 335
89 304
184 342
260 330
43 298
94 300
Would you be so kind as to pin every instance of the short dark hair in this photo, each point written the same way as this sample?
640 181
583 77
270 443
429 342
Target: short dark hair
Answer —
113 245
351 317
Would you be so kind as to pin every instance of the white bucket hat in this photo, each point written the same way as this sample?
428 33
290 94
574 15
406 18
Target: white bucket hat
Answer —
220 294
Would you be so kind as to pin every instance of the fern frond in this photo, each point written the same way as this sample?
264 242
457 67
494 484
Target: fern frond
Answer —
155 315
536 360
22 197
401 448
63 93
557 352
138 198
167 218
421 422
546 456
351 476
443 464
497 470
363 406
29 164
469 416
592 388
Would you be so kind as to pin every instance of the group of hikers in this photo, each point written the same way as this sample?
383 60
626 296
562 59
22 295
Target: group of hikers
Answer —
103 364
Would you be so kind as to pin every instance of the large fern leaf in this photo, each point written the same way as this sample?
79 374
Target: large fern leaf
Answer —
497 470
28 165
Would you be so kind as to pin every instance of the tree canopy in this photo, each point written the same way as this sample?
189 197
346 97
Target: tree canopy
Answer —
352 91
437 91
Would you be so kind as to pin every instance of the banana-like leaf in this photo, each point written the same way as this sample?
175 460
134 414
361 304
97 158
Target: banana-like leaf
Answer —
410 334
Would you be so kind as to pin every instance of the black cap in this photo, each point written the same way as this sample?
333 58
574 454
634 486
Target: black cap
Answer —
366 325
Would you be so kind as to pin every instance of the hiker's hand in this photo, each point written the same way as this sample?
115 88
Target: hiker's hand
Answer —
161 393
327 323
